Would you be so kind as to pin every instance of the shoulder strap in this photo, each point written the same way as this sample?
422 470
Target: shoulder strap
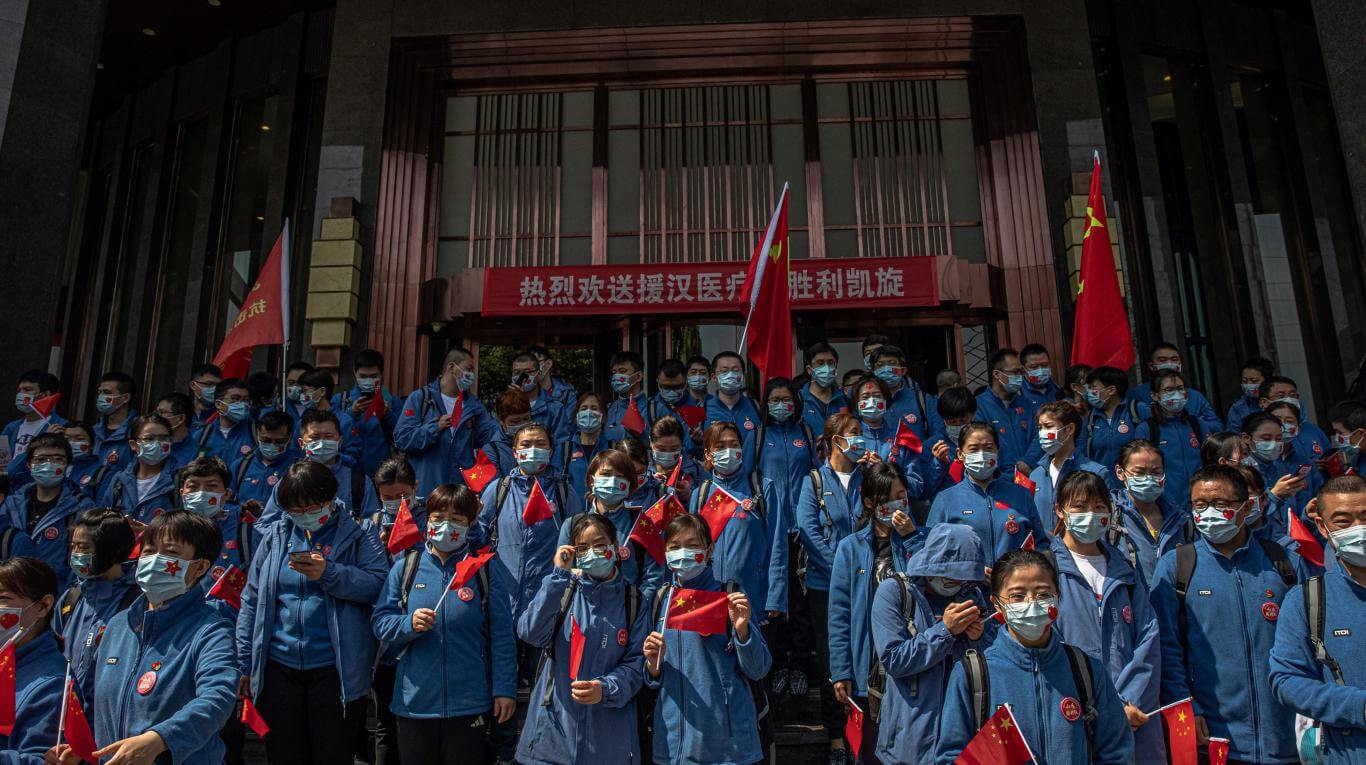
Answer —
1185 569
427 404
907 602
548 653
411 559
979 686
70 598
756 491
657 605
703 493
500 496
924 410
358 480
818 487
1280 559
1086 688
810 442
245 547
242 468
1315 597
632 606
759 442
129 595
118 493
98 479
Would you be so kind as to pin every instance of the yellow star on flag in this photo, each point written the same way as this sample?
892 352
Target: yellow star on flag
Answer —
1181 716
776 251
681 601
1005 724
1091 222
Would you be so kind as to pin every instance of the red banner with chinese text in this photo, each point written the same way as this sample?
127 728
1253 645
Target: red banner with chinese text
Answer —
706 287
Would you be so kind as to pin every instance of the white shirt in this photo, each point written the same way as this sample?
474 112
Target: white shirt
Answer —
1093 568
1053 471
844 478
27 430
145 486
449 401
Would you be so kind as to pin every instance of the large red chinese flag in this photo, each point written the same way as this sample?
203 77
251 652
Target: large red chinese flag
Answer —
481 473
650 525
1180 719
76 727
632 420
7 689
1310 548
1100 330
701 611
405 532
999 742
768 318
718 511
229 587
264 312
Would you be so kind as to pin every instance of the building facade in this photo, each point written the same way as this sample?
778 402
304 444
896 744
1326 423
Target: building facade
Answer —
594 178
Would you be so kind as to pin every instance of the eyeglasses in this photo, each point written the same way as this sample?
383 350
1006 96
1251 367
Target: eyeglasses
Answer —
600 550
1222 505
55 459
1142 472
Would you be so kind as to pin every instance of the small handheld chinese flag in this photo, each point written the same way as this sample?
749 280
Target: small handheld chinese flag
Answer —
378 406
1310 548
264 315
1100 332
650 525
1028 543
632 419
76 727
251 717
999 742
673 476
405 532
229 587
718 511
537 506
45 405
1023 480
692 415
853 727
7 689
1180 720
956 471
768 310
467 568
1218 751
906 438
576 643
481 473
457 411
701 611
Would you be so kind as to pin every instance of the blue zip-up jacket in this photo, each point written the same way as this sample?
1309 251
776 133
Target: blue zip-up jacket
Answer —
121 493
1312 443
351 583
525 553
565 732
1035 681
39 672
1180 454
1232 606
467 658
1138 539
744 416
111 444
613 430
918 667
187 448
438 455
83 629
851 595
659 409
1274 471
815 412
741 554
1197 406
237 443
1307 687
376 434
83 472
705 714
259 477
913 469
1014 424
1045 488
571 459
51 535
822 524
1120 631
785 457
553 414
905 406
195 687
1003 514
18 466
1101 438
362 509
1043 393
1240 409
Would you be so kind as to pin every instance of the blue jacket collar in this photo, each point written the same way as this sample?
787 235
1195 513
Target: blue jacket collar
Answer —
705 580
1010 649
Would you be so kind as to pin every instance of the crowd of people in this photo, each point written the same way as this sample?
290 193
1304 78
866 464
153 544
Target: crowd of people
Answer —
562 576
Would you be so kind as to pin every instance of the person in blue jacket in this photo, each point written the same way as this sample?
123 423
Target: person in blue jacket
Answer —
1329 685
1011 413
668 453
907 401
821 396
1255 371
255 476
1348 422
304 640
204 492
628 384
376 432
101 542
1059 424
584 712
114 402
869 396
33 385
785 446
1278 389
165 678
204 379
457 663
671 384
178 412
1001 511
699 382
318 387
610 478
574 454
47 508
921 623
1218 625
1038 372
957 407
1290 490
1299 461
647 489
87 471
438 447
229 436
146 488
1145 525
1109 423
705 712
1104 606
320 441
732 405
560 390
545 409
882 545
1028 667
28 595
1164 357
1176 432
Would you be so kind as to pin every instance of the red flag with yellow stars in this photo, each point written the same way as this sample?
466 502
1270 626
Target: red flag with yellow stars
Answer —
404 533
1100 328
481 473
720 507
1180 719
632 419
1023 480
701 611
768 309
7 689
576 645
1218 751
229 587
853 728
650 525
76 727
999 742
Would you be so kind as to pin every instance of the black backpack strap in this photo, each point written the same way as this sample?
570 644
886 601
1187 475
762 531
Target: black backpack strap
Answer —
548 653
756 492
242 468
979 686
1086 689
1315 613
118 495
703 493
98 478
1280 559
657 606
204 438
427 404
411 559
1185 569
818 487
129 595
72 596
358 479
500 496
245 547
810 443
759 443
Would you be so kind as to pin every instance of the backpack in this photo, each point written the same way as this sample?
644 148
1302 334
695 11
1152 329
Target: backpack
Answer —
1091 424
1119 539
818 487
979 689
1155 426
412 558
1185 569
877 674
1315 607
548 653
501 495
806 434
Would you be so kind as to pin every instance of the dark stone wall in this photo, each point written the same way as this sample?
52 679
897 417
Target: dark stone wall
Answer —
1342 27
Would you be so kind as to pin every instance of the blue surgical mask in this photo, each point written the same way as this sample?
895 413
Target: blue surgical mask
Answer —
595 564
162 577
207 392
80 449
854 447
1290 430
528 384
294 393
1030 619
237 411
665 460
953 431
47 474
1344 444
1174 366
322 450
465 381
943 588
270 451
1039 377
980 465
588 420
671 396
367 385
1350 544
780 411
1013 384
872 408
154 452
730 382
1144 488
1254 511
1267 451
888 374
1094 398
698 382
532 459
685 562
621 383
309 399
24 402
1216 528
1173 401
887 509
1252 390
725 461
1087 527
106 403
312 520
824 375
81 563
205 503
1051 440
611 490
448 536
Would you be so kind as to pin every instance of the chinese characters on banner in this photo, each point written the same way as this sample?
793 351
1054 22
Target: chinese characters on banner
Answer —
705 287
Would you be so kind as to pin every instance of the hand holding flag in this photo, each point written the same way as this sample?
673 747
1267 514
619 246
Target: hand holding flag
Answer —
1023 480
378 406
702 611
999 742
907 439
1310 548
1180 719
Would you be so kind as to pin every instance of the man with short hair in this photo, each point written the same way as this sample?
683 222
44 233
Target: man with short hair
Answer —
293 392
548 411
34 385
204 484
671 392
1311 441
557 389
1110 424
114 402
316 389
1255 371
699 380
437 444
628 384
320 441
204 379
1005 405
44 511
910 403
957 407
731 404
376 432
228 436
1039 382
178 412
254 475
1348 421
1164 355
822 397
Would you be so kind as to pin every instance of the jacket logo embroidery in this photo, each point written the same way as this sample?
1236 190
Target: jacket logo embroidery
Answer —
1342 633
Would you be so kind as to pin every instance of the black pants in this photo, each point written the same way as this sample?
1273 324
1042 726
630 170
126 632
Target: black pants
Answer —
308 722
832 712
234 735
790 640
868 746
386 748
452 740
503 736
